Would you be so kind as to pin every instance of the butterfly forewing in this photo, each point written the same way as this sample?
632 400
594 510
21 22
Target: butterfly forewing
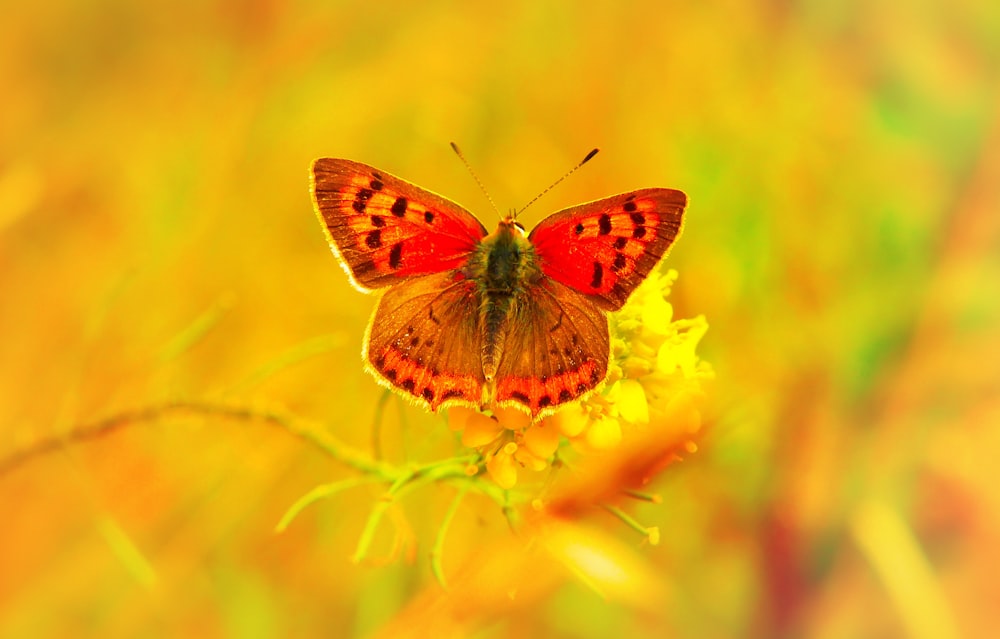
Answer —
424 340
386 229
605 248
556 348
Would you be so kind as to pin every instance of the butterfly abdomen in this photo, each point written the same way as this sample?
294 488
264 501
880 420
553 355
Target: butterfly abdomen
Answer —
503 267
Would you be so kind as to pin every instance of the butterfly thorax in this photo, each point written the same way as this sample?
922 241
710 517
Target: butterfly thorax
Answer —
503 266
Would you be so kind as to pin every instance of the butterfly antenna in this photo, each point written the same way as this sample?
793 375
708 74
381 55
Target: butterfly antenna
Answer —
458 152
553 185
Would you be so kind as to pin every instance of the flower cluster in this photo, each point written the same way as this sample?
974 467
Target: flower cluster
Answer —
653 369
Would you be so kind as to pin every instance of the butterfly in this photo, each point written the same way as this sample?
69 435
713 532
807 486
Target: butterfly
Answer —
479 319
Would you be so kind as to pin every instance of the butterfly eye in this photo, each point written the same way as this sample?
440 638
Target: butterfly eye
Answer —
520 226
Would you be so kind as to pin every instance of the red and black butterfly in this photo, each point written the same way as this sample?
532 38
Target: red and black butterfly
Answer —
489 319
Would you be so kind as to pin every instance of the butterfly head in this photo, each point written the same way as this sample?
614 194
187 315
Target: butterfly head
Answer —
510 222
505 261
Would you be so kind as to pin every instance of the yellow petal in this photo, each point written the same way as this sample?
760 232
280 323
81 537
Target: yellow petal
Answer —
542 439
480 430
502 467
637 366
529 460
512 418
604 433
657 313
679 351
458 417
632 403
571 420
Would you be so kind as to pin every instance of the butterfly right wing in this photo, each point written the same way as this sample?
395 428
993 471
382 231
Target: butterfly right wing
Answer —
424 340
606 248
385 229
556 349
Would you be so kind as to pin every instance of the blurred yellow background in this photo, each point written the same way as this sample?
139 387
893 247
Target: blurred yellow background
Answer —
157 243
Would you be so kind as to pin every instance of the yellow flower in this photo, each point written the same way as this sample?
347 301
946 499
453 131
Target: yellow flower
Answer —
479 429
501 466
654 374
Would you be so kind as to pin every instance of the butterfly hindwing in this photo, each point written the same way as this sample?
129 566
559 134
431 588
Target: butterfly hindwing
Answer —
424 340
556 348
605 248
384 228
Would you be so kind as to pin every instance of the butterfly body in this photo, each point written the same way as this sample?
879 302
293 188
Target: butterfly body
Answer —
485 320
504 268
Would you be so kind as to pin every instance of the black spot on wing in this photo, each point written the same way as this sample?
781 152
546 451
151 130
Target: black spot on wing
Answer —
399 207
361 200
598 276
395 255
521 397
604 224
619 262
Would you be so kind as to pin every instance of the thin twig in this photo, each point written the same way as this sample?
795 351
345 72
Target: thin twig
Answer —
305 430
438 551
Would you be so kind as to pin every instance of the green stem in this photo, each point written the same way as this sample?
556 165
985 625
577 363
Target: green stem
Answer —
321 492
627 519
310 432
437 552
401 486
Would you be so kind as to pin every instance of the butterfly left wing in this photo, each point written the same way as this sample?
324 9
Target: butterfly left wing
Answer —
386 229
424 340
555 350
605 249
